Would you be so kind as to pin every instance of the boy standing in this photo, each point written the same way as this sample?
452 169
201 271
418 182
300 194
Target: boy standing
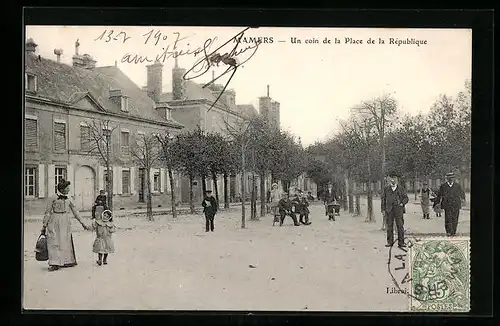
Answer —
210 207
100 200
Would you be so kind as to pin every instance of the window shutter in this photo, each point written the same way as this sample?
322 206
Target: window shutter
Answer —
101 178
59 136
167 181
30 132
162 179
132 180
115 179
41 180
51 180
119 180
70 175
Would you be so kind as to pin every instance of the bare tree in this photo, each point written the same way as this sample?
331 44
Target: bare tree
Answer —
240 133
147 152
98 141
166 141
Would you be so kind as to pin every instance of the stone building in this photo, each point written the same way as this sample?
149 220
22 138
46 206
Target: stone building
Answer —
190 103
61 102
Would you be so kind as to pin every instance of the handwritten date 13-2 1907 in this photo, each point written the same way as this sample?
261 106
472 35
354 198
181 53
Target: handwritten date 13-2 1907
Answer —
214 58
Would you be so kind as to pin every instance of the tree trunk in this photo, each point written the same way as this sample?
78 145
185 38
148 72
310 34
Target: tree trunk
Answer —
191 194
172 192
349 195
262 194
216 189
203 185
242 187
357 210
344 196
369 217
149 204
109 186
415 185
253 214
369 214
226 192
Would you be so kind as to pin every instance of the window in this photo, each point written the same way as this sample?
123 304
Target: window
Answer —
168 114
59 136
124 140
156 182
30 83
124 104
31 133
126 181
30 182
59 173
84 138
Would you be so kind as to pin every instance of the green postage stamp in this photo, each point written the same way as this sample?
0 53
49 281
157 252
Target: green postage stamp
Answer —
440 275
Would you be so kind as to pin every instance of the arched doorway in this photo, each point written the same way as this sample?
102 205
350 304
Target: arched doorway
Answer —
84 188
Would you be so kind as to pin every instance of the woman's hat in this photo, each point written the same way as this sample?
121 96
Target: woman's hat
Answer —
274 184
450 174
63 184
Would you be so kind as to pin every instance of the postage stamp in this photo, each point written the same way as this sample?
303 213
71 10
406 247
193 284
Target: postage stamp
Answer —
440 275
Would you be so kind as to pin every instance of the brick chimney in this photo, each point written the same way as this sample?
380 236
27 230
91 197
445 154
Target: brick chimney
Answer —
30 46
178 82
58 53
83 61
154 81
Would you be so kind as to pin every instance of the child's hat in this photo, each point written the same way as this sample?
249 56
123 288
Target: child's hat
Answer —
106 217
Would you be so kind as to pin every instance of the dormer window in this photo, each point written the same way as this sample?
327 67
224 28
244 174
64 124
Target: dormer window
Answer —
124 104
30 82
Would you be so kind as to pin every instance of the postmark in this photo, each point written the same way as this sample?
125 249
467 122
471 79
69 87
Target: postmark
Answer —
439 275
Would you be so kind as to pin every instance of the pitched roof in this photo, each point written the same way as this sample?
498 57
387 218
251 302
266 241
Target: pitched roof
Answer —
65 83
248 110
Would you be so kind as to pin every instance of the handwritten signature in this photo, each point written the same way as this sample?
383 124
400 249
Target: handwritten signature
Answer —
213 58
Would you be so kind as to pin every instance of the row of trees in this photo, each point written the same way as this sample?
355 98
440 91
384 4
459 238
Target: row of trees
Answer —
377 139
249 148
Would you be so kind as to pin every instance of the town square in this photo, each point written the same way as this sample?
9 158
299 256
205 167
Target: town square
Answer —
192 169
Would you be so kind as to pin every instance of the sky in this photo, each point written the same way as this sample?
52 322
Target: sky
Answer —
316 83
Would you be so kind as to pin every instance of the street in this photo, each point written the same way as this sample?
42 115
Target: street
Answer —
174 265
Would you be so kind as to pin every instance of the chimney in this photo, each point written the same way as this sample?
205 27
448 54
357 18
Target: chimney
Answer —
267 90
154 81
83 61
77 45
31 46
58 53
178 82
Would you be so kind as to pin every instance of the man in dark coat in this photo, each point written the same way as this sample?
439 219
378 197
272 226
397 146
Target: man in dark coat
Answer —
393 201
451 195
210 207
285 207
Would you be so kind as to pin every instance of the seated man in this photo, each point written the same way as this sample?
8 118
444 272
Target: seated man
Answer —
285 207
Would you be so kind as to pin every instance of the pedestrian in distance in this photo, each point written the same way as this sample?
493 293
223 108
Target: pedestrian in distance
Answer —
425 200
100 204
393 201
285 207
103 243
452 197
210 208
330 199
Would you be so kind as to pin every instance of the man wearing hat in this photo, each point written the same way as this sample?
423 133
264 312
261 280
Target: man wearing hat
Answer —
393 201
210 207
451 195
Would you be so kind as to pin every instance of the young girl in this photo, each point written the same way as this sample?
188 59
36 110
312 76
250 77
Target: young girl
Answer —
103 243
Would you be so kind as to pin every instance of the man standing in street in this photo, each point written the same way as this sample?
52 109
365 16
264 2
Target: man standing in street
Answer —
210 209
451 195
393 201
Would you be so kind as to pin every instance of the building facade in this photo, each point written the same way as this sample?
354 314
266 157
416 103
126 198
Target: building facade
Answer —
63 103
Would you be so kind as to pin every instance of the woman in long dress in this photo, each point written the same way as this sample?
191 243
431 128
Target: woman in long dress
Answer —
57 228
274 199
